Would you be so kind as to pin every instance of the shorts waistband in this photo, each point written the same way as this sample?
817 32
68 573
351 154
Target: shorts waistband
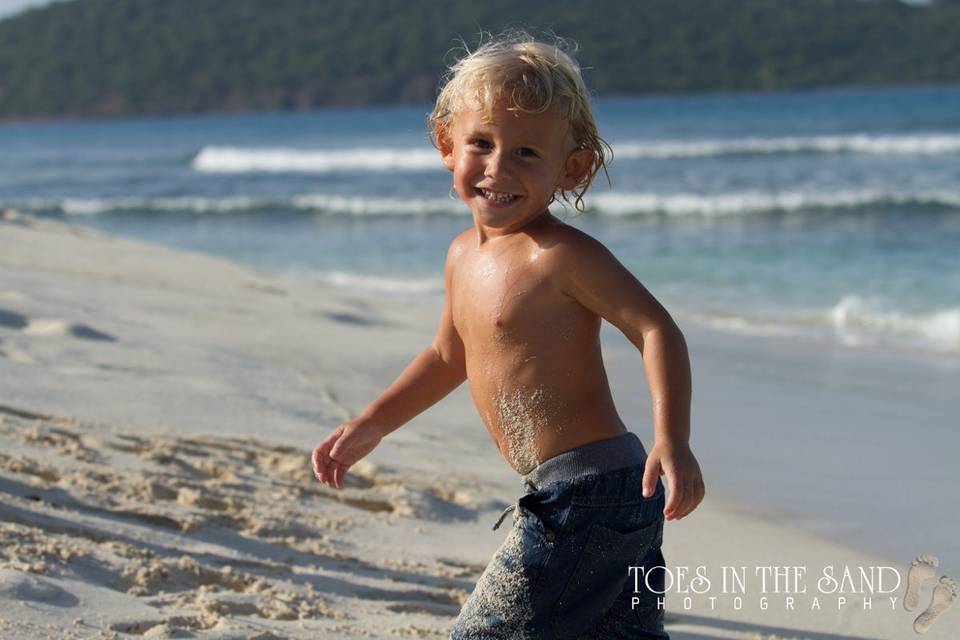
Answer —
596 457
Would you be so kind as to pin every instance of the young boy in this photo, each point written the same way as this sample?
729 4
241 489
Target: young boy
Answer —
525 295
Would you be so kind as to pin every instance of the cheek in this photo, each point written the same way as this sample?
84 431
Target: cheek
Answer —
465 168
546 179
461 178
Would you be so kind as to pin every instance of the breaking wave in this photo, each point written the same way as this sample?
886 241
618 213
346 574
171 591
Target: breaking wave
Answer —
940 328
282 160
217 159
888 145
748 202
613 204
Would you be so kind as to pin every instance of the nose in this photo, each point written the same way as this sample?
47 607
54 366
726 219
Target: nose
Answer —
497 165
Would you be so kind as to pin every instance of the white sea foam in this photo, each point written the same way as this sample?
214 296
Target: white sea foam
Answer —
871 144
380 284
360 206
744 325
854 314
615 204
854 321
324 203
286 160
94 206
225 159
746 202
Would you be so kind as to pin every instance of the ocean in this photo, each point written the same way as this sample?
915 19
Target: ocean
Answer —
833 213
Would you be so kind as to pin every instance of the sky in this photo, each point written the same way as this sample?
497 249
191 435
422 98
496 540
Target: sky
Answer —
9 7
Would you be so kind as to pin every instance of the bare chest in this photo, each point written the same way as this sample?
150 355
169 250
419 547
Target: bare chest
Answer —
500 300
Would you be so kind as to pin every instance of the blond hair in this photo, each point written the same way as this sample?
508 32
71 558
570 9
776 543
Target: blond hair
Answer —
530 77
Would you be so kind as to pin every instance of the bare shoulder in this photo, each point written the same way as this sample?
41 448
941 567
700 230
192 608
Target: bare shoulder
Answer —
458 246
460 243
584 269
568 249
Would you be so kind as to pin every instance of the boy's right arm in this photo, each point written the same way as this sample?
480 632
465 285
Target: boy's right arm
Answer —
438 370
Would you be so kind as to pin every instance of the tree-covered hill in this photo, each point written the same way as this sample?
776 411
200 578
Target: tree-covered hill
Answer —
110 57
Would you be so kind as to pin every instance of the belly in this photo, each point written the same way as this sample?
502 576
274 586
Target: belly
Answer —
535 409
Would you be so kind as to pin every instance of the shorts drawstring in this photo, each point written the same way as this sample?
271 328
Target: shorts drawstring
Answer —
515 507
504 515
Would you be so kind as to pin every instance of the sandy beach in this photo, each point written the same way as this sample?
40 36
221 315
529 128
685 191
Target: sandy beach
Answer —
158 409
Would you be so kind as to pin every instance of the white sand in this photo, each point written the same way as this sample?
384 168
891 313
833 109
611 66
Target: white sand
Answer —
156 417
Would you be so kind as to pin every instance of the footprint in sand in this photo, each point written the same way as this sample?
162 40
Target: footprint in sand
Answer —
18 321
61 327
20 586
943 598
13 320
922 569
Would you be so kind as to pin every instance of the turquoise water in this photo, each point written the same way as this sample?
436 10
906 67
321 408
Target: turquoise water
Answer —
831 212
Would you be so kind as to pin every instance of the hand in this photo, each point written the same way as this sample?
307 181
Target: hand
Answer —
341 450
682 472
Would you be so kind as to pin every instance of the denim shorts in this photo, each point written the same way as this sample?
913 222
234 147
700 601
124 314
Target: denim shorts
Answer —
563 571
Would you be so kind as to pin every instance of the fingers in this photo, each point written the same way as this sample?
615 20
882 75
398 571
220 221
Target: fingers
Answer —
326 467
684 497
339 471
697 494
650 474
323 463
318 464
677 496
330 474
315 461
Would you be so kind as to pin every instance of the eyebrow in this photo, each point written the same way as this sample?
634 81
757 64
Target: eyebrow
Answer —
481 131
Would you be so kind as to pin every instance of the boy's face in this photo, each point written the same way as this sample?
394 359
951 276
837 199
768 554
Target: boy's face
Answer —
507 165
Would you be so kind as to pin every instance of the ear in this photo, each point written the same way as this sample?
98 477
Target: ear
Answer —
445 145
576 169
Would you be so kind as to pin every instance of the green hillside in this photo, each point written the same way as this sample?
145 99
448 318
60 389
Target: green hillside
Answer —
111 57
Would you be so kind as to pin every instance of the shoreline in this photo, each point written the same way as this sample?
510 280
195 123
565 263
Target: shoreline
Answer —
161 363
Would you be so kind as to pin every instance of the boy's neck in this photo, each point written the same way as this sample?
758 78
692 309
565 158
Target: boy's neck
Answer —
485 233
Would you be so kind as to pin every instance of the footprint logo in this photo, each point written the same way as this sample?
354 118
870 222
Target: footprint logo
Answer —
944 595
922 568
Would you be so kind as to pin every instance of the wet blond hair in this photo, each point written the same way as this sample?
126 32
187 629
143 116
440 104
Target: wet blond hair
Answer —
527 76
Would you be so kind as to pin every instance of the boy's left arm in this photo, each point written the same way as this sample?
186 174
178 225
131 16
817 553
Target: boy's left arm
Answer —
595 278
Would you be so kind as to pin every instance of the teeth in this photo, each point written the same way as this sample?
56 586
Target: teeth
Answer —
497 197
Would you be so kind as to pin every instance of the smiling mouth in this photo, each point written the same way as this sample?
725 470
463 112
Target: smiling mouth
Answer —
497 196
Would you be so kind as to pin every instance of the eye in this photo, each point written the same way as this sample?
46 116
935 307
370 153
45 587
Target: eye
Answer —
480 143
526 152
